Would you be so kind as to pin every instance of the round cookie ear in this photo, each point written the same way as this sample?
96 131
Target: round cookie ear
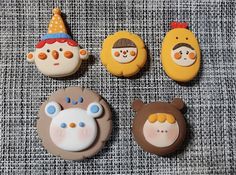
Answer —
30 57
178 103
94 110
52 109
137 105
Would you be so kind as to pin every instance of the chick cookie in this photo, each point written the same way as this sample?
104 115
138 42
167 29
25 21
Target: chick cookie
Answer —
74 123
159 127
123 54
180 54
57 55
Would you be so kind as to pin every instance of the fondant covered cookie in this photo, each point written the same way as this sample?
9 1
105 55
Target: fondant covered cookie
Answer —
159 127
123 54
180 54
57 55
74 123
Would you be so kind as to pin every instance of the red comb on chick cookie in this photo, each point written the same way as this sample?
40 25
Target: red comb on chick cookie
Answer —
175 25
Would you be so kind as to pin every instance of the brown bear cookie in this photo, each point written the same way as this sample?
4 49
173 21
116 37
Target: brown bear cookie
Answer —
159 127
74 123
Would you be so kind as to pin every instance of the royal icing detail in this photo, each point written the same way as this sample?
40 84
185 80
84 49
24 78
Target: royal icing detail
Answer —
74 123
57 55
123 54
159 127
180 54
73 129
163 132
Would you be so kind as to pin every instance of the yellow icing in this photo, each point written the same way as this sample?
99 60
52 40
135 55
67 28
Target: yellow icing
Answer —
161 117
174 71
119 69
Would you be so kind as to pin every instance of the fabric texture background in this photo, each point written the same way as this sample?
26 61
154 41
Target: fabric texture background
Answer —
210 98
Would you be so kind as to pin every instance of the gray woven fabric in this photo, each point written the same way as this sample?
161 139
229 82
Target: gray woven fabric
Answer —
210 98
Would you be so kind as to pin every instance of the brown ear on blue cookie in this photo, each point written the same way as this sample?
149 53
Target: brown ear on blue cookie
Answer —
137 105
178 103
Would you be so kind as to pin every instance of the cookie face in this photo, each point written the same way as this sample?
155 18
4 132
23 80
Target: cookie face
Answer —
124 51
180 54
123 54
57 55
159 127
74 123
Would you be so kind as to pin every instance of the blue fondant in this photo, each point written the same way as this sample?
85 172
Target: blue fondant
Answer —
63 125
55 35
67 100
94 109
81 124
74 102
51 109
80 100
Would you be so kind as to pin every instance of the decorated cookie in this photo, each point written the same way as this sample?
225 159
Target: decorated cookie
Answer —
180 54
57 55
123 54
159 127
74 123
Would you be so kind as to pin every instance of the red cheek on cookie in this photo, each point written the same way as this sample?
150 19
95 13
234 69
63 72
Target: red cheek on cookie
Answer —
177 55
172 134
132 53
42 56
57 134
191 55
117 54
150 132
84 133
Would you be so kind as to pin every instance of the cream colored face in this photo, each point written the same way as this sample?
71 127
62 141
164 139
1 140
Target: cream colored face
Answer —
124 55
61 59
183 56
161 134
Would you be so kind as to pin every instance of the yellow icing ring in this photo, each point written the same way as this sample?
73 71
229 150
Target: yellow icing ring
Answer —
161 117
174 71
116 68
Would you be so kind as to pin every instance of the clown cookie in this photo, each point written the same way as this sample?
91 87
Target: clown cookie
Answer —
57 55
180 54
123 54
159 127
74 123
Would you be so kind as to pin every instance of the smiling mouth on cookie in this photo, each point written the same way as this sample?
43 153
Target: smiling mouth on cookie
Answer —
56 64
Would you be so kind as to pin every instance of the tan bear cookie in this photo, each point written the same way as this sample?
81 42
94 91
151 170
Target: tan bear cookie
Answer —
57 55
159 127
74 123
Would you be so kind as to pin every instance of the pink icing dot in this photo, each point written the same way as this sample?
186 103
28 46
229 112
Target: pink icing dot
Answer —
85 133
57 134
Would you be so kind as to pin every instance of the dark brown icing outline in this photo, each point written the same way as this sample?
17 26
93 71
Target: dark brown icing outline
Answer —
143 112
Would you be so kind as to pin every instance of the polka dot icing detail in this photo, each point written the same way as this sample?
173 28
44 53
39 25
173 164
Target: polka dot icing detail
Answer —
94 109
63 125
81 124
80 100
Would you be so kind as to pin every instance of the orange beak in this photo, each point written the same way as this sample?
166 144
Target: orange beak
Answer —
55 54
